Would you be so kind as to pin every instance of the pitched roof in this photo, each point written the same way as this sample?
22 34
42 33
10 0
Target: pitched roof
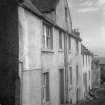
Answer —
28 4
45 5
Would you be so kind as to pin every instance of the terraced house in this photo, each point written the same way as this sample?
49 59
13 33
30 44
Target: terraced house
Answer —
87 72
40 52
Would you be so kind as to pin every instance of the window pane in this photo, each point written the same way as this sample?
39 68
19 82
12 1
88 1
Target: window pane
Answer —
60 39
77 46
43 41
77 75
48 37
70 75
69 42
49 42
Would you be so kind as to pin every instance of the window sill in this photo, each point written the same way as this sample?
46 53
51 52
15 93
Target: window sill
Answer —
45 50
60 50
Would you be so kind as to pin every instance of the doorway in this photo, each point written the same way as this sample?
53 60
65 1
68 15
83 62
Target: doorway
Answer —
61 86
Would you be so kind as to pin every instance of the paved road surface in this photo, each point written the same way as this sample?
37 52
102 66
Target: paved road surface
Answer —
100 98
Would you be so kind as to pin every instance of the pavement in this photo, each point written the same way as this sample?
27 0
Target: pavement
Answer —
99 98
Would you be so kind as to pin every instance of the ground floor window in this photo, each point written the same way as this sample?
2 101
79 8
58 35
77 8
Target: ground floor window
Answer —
61 85
46 96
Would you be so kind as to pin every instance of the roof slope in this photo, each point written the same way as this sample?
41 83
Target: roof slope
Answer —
31 6
45 5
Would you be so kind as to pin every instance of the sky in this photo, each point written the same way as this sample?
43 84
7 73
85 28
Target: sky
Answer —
89 17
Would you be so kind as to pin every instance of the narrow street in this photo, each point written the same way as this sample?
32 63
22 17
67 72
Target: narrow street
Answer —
99 100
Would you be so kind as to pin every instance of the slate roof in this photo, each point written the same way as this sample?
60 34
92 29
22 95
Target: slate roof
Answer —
29 5
45 5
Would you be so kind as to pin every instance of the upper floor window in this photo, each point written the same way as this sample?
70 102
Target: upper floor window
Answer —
47 36
83 59
86 59
70 75
77 46
77 74
69 43
60 40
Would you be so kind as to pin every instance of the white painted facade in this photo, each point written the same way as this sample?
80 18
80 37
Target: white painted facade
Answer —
38 60
86 71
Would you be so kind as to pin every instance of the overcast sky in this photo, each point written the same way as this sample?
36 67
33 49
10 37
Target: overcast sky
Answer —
89 17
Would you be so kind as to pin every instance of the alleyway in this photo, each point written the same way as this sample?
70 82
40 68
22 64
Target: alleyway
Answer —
99 100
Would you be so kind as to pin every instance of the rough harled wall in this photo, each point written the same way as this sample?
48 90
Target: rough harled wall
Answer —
30 55
8 52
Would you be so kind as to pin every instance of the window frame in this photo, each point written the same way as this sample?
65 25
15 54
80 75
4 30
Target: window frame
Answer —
47 38
77 46
77 74
71 77
46 87
69 42
60 40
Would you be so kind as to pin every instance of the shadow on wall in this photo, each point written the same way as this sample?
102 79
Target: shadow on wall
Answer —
8 53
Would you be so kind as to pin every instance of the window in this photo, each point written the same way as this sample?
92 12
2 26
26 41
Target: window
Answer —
46 86
69 42
70 75
77 75
47 36
86 59
60 40
66 14
77 46
83 59
89 76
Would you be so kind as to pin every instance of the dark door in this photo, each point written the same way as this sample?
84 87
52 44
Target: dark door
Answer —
61 86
